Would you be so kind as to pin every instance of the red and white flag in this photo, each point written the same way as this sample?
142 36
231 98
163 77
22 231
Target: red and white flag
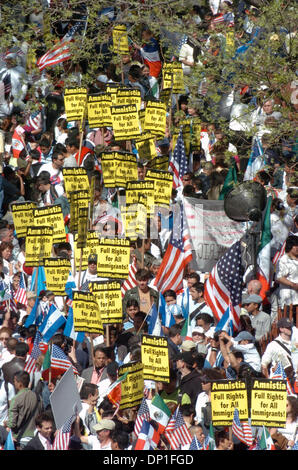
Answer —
131 280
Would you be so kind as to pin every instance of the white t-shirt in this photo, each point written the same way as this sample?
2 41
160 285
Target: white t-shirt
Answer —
3 401
96 445
56 177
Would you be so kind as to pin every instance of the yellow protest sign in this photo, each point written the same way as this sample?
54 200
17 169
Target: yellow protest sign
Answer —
165 96
125 122
135 189
57 272
142 119
155 118
134 217
145 145
75 103
268 403
99 112
86 315
132 388
226 395
92 241
195 134
111 90
78 200
51 216
75 179
113 258
83 213
160 163
173 77
109 298
128 96
118 168
38 245
125 168
22 215
163 185
120 39
155 358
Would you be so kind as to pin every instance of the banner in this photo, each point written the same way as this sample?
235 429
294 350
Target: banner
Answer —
120 39
22 215
83 213
129 96
92 241
211 231
74 103
57 272
145 145
225 397
51 216
111 90
155 118
132 388
113 257
86 314
125 122
155 358
268 403
99 110
38 245
75 179
109 298
160 163
163 185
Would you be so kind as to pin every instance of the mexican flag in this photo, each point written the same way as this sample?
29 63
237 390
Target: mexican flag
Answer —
266 442
229 183
263 258
186 330
159 412
115 389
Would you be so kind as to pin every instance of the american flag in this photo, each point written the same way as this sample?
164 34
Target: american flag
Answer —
62 438
60 361
143 415
61 51
177 256
195 444
30 365
279 374
178 164
34 121
241 430
223 287
176 431
279 254
131 281
6 86
21 296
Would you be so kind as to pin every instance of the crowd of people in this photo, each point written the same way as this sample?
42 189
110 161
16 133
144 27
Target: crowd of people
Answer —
38 141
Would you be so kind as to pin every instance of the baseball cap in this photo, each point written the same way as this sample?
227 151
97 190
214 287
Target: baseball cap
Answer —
104 424
92 259
188 345
252 299
244 335
102 78
284 323
198 329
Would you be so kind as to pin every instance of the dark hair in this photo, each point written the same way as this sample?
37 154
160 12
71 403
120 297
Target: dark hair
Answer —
199 287
43 178
143 275
294 405
291 241
22 349
170 293
72 142
34 154
220 436
88 389
187 410
205 317
245 324
122 439
193 276
23 377
135 72
44 142
264 177
132 303
60 148
99 348
42 417
174 330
